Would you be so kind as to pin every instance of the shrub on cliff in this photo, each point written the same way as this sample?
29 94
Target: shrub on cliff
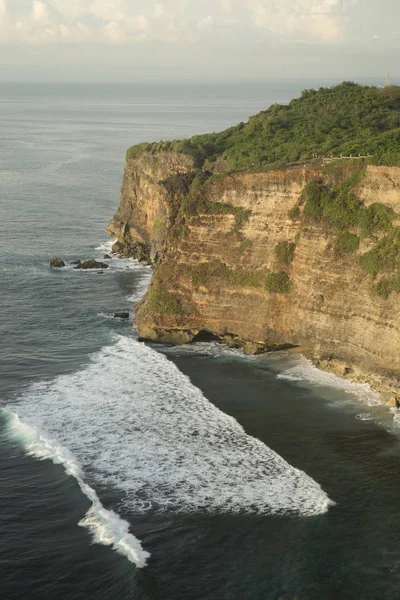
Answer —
340 207
284 252
384 257
163 302
278 283
388 285
347 242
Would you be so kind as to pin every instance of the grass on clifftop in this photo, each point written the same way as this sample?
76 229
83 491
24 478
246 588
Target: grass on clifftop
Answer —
348 119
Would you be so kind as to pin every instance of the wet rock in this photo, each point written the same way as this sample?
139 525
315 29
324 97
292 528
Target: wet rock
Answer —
57 263
132 249
121 314
106 256
91 264
253 348
118 248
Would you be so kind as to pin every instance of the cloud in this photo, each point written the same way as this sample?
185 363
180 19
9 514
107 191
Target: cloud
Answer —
322 20
171 21
206 23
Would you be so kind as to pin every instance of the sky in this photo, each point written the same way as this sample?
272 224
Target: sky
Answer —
198 40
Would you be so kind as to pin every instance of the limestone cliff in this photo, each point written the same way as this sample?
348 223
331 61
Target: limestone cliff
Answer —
236 259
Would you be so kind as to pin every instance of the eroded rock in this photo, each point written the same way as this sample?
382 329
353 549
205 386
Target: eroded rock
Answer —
57 263
91 264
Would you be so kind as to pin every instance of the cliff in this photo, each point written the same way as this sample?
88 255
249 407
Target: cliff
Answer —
243 258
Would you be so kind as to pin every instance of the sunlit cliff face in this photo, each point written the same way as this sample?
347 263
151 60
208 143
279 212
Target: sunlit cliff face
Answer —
219 273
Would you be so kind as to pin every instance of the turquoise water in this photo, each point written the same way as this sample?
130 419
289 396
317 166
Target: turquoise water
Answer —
116 459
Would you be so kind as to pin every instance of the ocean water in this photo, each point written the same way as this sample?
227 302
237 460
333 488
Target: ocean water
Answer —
138 471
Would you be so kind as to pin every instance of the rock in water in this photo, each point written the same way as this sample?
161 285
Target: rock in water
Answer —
57 263
118 248
91 264
121 314
133 249
106 256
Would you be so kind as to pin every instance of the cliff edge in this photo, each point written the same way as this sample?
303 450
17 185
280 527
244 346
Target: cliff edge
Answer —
303 256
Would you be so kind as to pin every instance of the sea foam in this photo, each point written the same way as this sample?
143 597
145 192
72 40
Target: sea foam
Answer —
131 421
304 370
106 526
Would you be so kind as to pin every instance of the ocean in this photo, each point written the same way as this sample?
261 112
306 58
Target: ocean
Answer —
134 471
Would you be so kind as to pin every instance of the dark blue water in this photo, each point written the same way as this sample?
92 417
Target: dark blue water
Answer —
116 454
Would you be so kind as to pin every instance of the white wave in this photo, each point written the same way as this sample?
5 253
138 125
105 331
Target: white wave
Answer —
304 370
114 264
106 526
142 282
106 247
136 424
364 417
111 317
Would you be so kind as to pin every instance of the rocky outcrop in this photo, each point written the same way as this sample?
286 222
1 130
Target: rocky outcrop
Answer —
219 273
57 263
91 264
145 209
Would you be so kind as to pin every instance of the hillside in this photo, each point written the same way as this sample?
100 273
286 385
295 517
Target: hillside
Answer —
347 119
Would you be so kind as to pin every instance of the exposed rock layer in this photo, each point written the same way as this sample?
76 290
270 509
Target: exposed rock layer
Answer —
209 263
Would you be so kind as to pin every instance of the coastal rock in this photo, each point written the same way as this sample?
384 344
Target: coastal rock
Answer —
106 256
57 263
121 314
132 249
91 264
118 248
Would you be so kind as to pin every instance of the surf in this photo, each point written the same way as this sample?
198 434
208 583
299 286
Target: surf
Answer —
132 422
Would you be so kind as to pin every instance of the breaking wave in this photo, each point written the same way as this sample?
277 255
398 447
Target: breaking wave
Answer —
304 370
106 526
131 421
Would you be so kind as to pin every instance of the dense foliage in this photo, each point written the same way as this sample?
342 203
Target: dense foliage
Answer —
347 119
341 208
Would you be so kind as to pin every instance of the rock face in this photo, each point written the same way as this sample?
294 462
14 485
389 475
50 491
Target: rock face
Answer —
145 209
57 263
91 264
218 272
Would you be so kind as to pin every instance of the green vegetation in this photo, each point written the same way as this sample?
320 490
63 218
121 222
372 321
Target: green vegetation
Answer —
278 283
294 213
179 231
271 282
384 257
347 119
387 285
284 252
162 302
347 242
340 207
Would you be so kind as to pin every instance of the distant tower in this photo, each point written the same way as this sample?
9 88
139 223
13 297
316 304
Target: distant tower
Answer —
387 80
